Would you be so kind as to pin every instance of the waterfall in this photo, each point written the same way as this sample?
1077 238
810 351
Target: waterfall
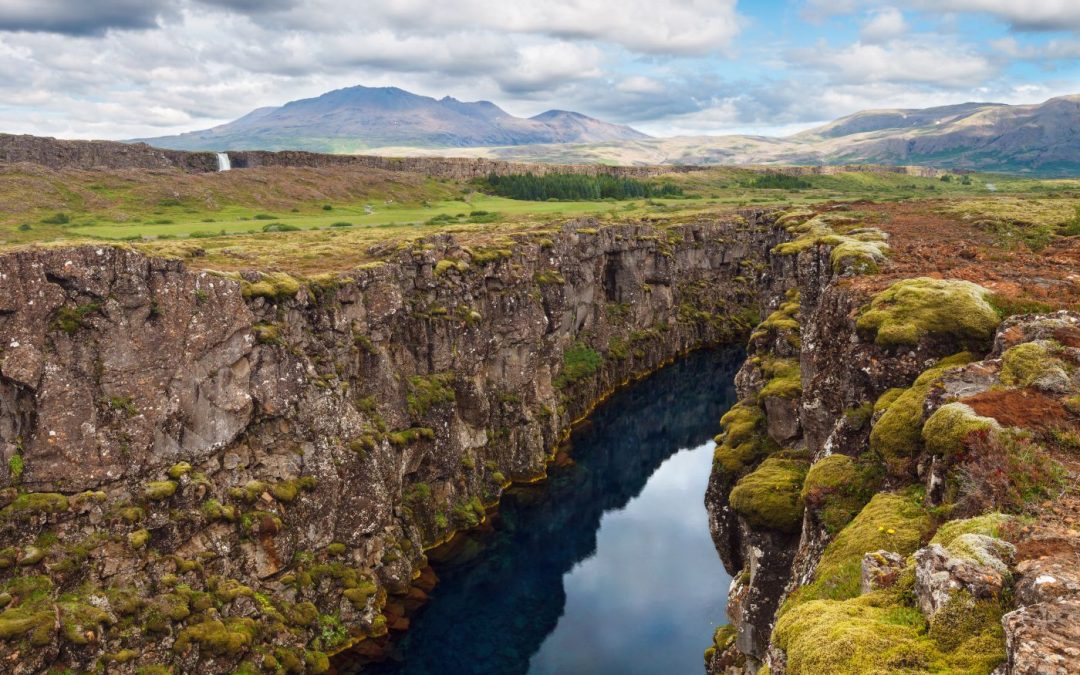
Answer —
223 163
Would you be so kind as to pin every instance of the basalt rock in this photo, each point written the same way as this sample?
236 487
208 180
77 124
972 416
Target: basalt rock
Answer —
212 471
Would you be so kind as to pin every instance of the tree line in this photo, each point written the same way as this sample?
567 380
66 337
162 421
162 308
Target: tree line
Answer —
575 186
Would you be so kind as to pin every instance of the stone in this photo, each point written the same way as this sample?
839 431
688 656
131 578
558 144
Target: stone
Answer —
1043 639
880 569
972 562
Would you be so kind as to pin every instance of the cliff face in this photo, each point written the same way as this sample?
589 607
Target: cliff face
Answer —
62 154
880 442
204 472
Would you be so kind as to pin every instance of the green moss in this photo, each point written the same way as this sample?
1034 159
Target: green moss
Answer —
887 399
913 309
138 538
897 435
288 490
31 503
783 320
179 469
249 492
890 521
212 509
743 443
837 487
16 466
856 637
71 319
159 490
267 334
274 286
970 629
336 548
770 496
359 596
428 391
22 621
861 253
945 431
231 637
1025 363
579 362
784 378
469 514
410 435
989 524
226 589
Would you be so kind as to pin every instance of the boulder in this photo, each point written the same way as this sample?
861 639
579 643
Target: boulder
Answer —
880 569
1043 639
974 563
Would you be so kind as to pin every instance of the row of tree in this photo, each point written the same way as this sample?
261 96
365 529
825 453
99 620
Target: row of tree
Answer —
575 186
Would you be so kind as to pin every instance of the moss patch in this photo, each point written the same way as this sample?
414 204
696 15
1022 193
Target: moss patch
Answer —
913 309
838 486
771 496
989 524
945 431
784 378
743 443
897 435
890 521
579 362
1025 363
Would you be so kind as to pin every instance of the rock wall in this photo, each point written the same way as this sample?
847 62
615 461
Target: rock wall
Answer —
868 470
210 473
62 154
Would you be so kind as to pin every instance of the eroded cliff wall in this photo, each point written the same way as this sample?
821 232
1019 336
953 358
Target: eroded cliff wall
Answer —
203 472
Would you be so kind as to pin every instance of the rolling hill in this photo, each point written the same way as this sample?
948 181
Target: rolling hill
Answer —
1040 138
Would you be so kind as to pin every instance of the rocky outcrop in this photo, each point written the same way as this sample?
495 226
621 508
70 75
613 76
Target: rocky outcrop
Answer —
858 415
63 154
210 471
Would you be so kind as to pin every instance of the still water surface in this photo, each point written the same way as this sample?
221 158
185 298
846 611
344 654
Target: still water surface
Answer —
605 568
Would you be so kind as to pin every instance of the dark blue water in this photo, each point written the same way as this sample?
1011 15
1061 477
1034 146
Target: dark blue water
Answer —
606 567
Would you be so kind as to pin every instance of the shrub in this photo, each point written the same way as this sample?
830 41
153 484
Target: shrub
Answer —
280 227
57 219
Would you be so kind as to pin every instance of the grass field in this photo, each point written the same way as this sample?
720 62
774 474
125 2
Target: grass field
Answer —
315 220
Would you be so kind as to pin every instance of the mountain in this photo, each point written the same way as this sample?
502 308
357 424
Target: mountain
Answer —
356 118
1040 138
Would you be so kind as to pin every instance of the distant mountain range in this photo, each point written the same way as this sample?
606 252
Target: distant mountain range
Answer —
359 118
1040 138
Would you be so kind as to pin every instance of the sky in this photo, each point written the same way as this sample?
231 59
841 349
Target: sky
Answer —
119 69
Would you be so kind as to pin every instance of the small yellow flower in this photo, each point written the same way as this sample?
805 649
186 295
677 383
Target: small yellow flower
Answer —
892 531
881 528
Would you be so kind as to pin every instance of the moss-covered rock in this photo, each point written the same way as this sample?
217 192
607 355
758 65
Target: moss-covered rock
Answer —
837 487
159 490
771 496
945 431
231 637
1027 363
990 524
743 442
783 378
890 521
913 309
897 434
877 633
32 503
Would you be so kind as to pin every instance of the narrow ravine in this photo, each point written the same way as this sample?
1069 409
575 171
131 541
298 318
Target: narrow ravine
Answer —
607 566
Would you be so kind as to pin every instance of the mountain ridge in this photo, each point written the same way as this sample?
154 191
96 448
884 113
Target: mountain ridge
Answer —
357 118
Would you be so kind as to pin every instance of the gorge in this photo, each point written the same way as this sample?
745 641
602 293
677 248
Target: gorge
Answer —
263 460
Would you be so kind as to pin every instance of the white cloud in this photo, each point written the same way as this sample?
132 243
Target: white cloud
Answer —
884 25
915 61
1022 14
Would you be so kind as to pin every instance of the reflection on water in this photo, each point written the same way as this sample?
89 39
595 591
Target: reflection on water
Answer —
606 567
